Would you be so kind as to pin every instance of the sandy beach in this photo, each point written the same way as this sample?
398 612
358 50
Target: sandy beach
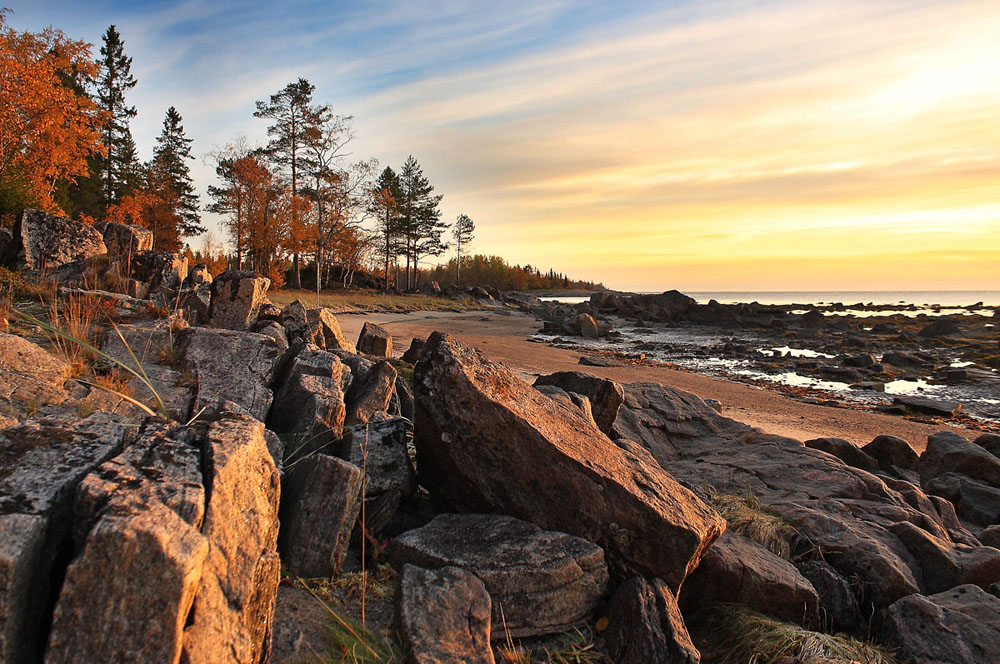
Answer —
504 338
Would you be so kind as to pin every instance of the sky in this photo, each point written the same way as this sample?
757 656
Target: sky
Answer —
785 145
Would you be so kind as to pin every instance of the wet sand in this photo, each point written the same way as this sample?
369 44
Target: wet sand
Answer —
504 338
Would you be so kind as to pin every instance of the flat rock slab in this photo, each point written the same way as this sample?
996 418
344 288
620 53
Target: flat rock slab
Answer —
443 616
929 406
958 626
544 581
489 442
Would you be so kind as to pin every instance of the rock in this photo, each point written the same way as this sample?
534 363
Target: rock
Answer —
588 326
30 375
380 450
948 452
571 399
237 366
443 616
940 328
414 352
544 581
845 451
496 454
973 500
126 597
958 626
890 452
333 337
989 442
160 269
320 503
588 361
196 304
374 340
309 404
929 406
236 299
606 396
645 626
991 536
370 394
837 602
234 607
901 359
274 330
199 275
41 463
945 565
737 569
125 240
44 242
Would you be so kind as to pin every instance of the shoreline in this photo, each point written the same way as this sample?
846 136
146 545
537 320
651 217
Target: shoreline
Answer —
505 337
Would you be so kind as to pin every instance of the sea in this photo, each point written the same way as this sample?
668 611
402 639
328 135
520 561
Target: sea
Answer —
959 298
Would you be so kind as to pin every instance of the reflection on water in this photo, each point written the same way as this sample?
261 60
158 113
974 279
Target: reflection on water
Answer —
910 386
787 351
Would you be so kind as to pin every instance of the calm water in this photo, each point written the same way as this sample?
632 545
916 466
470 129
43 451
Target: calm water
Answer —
945 298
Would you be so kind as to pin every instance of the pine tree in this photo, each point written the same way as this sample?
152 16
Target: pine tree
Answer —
385 199
114 80
419 218
169 177
295 124
462 232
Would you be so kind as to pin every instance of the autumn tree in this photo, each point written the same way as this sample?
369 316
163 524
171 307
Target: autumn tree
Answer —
295 121
462 233
384 201
47 130
118 157
232 197
169 178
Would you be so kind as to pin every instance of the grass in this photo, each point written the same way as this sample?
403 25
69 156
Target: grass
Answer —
745 516
580 649
734 634
342 301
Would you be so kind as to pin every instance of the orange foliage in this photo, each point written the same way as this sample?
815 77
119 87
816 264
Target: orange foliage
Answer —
47 130
133 208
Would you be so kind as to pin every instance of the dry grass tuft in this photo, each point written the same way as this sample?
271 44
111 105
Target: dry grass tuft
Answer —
734 634
745 516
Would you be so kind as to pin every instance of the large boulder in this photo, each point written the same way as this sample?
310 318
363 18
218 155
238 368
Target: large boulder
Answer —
739 570
944 564
333 337
975 501
236 299
588 326
320 503
488 442
892 453
606 396
374 340
543 581
309 404
949 452
844 450
45 241
958 626
380 449
236 366
645 625
159 270
125 240
41 463
370 394
29 374
443 615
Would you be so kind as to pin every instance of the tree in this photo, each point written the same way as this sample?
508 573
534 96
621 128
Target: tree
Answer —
232 198
47 129
384 197
114 81
169 179
462 232
419 218
295 124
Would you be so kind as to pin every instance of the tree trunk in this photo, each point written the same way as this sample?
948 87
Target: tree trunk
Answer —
296 275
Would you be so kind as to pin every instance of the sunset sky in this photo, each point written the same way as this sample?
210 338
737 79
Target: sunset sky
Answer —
693 145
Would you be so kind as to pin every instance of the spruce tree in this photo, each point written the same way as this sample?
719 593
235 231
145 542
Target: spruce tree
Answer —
169 178
114 81
462 232
419 217
385 205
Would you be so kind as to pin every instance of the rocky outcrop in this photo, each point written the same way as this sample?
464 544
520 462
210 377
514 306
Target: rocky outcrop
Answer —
645 625
41 463
375 340
851 516
443 616
322 499
606 396
44 242
543 581
236 299
958 626
496 453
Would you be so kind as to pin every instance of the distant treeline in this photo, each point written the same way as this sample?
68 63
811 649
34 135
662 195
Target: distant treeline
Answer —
495 272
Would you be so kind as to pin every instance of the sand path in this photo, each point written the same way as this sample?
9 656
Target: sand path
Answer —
504 338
